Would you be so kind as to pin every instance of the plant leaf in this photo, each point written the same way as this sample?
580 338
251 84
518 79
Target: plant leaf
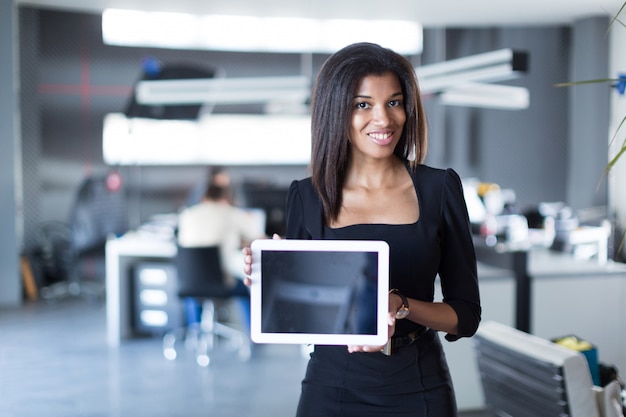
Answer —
617 131
600 80
613 161
622 151
615 18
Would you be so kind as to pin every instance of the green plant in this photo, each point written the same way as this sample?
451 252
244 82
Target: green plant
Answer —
619 84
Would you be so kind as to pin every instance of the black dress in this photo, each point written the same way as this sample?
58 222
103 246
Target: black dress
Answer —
414 381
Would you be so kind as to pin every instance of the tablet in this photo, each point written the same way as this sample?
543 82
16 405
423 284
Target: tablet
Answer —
329 292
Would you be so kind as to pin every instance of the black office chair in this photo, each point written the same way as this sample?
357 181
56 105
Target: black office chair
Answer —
200 276
76 250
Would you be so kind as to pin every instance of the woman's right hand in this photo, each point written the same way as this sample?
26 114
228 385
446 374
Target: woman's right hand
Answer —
247 262
247 265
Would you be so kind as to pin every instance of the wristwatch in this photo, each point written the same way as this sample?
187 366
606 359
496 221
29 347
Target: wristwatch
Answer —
403 311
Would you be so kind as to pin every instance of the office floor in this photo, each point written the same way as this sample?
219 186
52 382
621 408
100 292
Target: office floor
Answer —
54 362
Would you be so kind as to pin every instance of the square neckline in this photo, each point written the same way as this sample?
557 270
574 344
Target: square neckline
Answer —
417 195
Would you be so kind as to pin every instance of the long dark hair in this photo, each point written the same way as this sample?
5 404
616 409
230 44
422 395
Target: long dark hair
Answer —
331 112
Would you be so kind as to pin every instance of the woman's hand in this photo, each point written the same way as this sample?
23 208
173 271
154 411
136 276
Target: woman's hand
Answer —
394 304
247 262
247 265
391 321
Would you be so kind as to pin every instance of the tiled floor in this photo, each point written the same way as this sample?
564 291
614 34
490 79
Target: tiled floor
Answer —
54 362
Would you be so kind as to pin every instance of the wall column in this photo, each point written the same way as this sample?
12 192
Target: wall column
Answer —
10 177
589 115
617 176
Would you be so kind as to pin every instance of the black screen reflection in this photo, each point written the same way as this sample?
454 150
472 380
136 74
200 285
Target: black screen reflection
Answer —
319 292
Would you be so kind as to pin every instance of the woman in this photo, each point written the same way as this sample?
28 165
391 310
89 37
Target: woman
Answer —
368 182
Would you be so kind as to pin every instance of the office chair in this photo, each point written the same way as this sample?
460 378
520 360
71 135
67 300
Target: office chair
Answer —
53 260
200 276
76 250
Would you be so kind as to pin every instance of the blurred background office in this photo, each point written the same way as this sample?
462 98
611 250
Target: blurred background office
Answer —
85 161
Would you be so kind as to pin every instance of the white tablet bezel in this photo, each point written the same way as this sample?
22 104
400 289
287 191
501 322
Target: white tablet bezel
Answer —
379 247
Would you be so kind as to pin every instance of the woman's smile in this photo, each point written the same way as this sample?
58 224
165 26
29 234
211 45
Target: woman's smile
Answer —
382 138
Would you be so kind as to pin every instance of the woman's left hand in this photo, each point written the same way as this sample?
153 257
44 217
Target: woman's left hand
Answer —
391 321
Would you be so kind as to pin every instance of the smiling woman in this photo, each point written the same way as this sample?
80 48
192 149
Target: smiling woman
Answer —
369 182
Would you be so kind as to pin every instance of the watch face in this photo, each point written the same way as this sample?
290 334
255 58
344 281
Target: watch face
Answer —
402 312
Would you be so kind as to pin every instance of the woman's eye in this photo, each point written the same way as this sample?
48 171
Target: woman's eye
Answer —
395 103
362 105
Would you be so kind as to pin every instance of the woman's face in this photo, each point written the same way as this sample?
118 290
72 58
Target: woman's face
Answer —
378 116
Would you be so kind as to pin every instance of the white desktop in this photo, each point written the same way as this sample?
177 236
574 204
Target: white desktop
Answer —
152 244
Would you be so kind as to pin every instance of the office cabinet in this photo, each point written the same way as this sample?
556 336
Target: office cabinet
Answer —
156 306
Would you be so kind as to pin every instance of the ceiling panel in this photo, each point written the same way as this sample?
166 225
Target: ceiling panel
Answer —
458 13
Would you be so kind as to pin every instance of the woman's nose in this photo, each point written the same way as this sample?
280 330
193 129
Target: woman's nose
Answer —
380 115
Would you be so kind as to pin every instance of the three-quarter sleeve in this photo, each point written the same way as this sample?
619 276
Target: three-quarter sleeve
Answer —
457 269
294 214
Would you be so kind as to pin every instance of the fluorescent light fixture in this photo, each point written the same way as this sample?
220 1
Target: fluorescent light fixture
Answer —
487 96
499 65
254 34
296 89
212 140
492 66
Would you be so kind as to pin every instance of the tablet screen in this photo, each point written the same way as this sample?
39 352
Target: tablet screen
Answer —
319 291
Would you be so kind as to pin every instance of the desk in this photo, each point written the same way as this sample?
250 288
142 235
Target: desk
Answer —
121 254
573 296
515 261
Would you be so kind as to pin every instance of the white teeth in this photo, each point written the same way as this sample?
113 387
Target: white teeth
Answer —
380 136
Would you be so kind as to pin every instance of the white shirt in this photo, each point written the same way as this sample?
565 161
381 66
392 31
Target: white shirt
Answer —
212 223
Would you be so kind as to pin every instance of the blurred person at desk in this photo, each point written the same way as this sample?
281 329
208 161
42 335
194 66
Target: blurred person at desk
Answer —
214 221
216 175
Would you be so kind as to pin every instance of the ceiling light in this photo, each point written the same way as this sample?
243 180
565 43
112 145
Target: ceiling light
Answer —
233 139
294 89
499 65
460 81
486 96
254 34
